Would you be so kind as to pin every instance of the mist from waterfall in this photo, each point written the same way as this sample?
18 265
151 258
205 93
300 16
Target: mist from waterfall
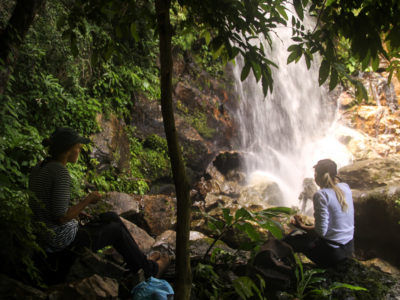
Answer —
285 133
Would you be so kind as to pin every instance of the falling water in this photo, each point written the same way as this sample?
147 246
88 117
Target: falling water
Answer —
288 131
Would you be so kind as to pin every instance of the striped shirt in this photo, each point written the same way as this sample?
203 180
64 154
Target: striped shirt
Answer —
51 184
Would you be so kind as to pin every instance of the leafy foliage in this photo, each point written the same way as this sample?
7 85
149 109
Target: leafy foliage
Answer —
245 221
309 284
367 28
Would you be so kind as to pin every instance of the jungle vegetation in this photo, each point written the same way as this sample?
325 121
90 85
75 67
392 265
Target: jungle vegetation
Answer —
65 61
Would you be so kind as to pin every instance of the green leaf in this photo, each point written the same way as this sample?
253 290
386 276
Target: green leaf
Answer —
273 228
279 209
134 32
245 71
329 2
334 79
361 92
293 56
242 213
251 232
299 8
256 70
375 63
282 12
228 218
338 285
324 71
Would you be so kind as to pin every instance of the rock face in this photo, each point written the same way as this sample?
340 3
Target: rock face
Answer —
376 187
204 125
376 121
111 144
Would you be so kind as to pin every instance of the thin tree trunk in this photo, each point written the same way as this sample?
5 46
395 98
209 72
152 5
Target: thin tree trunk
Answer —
13 35
183 272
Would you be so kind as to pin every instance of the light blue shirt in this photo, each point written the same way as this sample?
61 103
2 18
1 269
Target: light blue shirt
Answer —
331 222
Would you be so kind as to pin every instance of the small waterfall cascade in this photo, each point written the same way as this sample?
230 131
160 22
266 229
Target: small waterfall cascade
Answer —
285 133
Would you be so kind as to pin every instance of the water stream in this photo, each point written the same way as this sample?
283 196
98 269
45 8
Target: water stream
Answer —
287 132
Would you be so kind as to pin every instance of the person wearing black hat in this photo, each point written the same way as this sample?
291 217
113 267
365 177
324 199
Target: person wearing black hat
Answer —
50 182
330 239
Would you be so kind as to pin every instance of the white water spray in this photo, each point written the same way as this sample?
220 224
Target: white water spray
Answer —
288 131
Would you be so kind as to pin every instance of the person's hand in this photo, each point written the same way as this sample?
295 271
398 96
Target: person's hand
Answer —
94 197
296 221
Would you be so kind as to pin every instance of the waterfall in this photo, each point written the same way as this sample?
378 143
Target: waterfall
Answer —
285 133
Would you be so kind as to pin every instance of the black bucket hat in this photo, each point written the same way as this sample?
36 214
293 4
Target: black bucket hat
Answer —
326 166
64 137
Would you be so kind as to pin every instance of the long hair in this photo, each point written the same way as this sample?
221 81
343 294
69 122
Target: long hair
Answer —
326 181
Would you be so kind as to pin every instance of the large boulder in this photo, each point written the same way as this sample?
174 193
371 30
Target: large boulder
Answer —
157 213
368 174
122 204
376 187
89 263
93 287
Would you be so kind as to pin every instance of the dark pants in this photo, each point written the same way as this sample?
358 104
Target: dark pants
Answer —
109 230
320 251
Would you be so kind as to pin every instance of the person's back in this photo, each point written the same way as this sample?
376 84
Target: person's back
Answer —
339 226
50 183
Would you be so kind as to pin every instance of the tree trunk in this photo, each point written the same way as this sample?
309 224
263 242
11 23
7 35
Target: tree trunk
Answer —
13 35
183 272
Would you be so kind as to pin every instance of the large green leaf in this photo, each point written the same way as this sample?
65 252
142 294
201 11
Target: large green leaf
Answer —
245 71
299 8
324 71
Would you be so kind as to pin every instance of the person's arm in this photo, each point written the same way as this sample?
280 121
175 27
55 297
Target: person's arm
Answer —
321 214
76 209
298 223
61 193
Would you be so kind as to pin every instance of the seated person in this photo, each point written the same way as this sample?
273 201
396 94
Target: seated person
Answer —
51 183
330 239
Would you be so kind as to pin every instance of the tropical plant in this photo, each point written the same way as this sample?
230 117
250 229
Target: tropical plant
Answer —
246 222
309 284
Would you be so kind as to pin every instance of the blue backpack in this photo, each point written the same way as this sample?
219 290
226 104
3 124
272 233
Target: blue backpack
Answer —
153 289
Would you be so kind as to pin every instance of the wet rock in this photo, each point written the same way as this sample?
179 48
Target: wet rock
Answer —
157 214
111 145
122 204
91 288
141 237
346 100
213 201
229 162
13 289
260 195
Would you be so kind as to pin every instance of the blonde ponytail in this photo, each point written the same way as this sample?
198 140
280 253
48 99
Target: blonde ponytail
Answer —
328 182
